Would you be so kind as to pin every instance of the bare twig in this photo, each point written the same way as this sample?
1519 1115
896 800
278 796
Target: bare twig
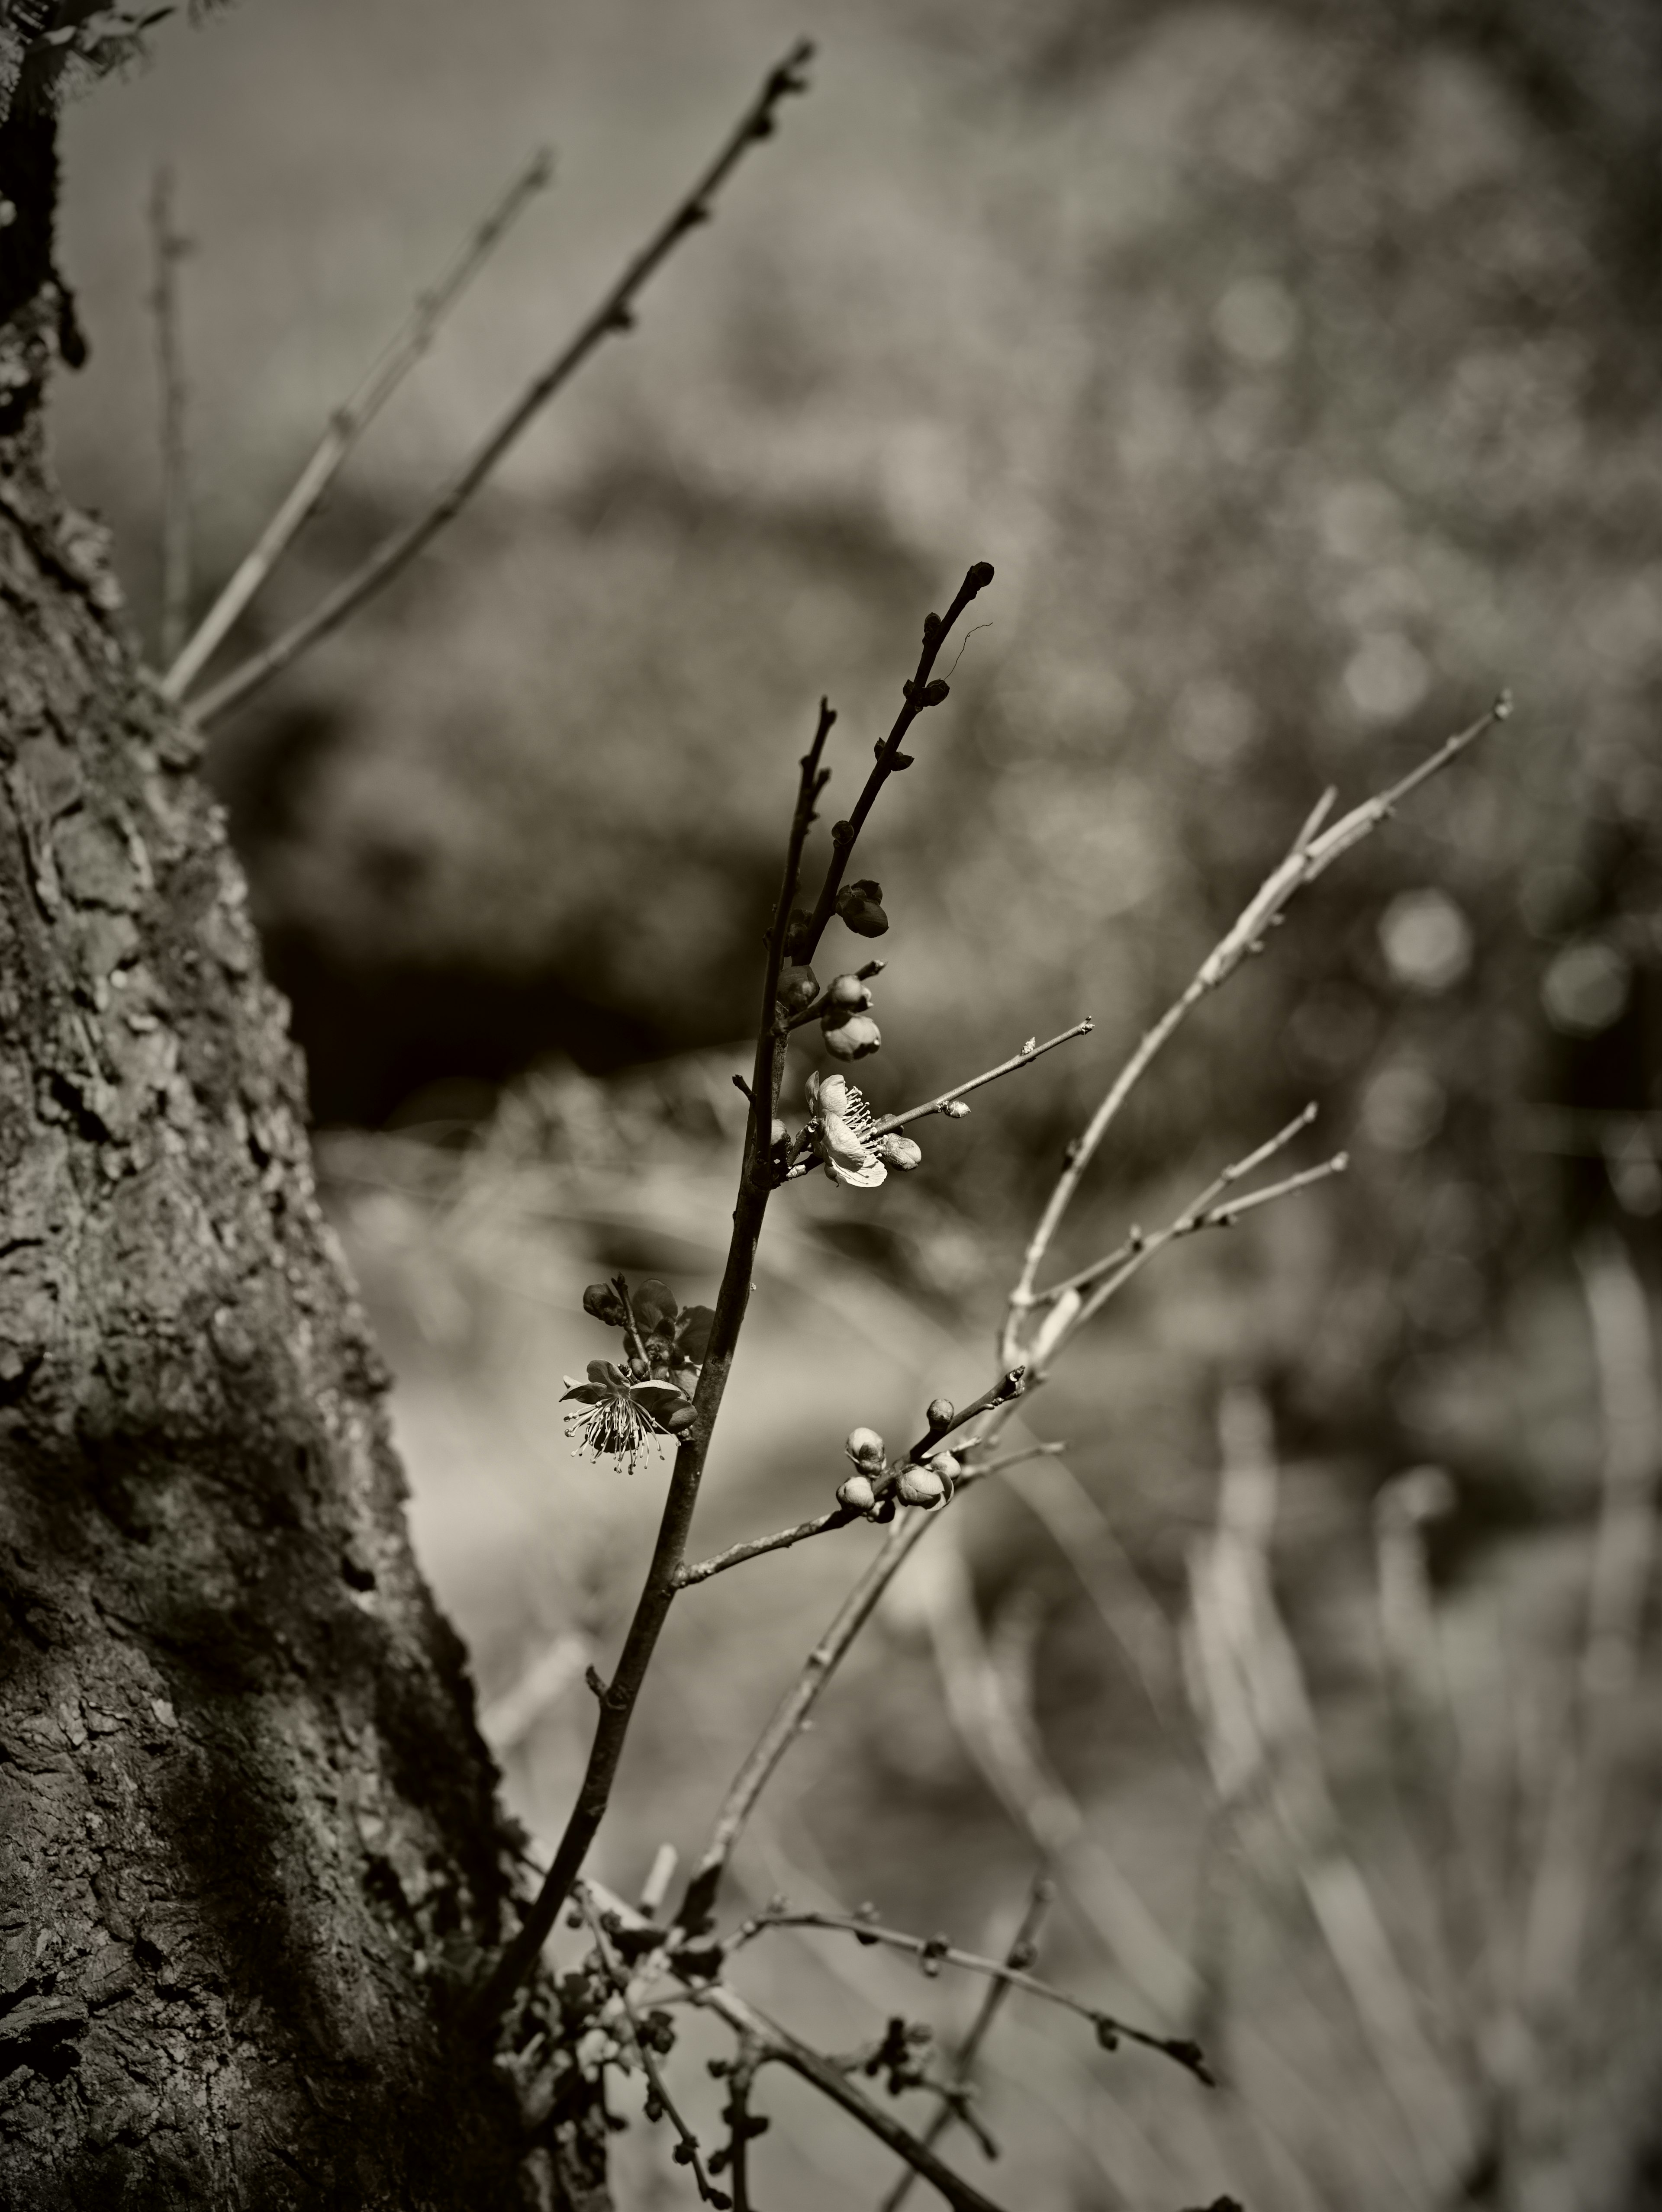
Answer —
348 424
934 1952
614 314
170 249
1022 1951
691 2152
1312 852
776 2044
1024 1058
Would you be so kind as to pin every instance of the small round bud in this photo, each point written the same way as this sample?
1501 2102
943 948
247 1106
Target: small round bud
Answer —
955 1110
861 906
857 1493
899 1152
935 691
798 987
947 1465
864 1447
938 1413
680 1418
849 991
920 1486
980 575
600 1300
852 1038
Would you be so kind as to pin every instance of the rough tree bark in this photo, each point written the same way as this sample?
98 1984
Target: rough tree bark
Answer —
246 1823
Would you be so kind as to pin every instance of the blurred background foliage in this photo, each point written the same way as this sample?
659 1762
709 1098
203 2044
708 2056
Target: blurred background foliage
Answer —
1296 365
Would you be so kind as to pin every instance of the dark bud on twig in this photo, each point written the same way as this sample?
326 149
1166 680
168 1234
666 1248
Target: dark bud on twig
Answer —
861 906
935 691
603 1303
938 1413
798 987
596 1680
980 576
931 627
903 760
681 1418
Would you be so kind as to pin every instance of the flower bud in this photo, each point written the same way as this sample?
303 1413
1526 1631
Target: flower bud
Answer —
798 987
600 1300
680 1418
864 1447
938 1413
955 1110
947 1465
899 1152
847 990
857 1492
861 906
920 1486
852 1037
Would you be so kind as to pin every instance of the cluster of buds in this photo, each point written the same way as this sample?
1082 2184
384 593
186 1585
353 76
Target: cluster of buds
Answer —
846 1024
625 1403
876 1488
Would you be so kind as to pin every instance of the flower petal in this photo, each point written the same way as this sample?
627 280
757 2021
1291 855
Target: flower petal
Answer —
865 1176
653 1302
692 1331
833 1095
589 1394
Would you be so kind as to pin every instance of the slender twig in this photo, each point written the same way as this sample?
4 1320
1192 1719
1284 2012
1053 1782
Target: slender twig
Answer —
777 2045
1024 1058
348 424
736 1554
614 314
1022 1951
1312 852
170 249
935 1951
921 690
690 2153
741 2082
791 1714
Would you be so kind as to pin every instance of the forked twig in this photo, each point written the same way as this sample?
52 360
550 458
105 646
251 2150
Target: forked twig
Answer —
691 2150
614 315
170 249
777 2045
1023 1950
1311 853
408 346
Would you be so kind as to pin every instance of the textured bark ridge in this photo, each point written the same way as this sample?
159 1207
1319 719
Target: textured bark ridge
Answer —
247 1825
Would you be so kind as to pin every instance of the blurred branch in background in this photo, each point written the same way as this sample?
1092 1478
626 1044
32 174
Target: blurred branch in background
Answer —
185 661
169 249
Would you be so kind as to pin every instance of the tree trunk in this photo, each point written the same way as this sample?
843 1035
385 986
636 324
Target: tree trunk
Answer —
247 1833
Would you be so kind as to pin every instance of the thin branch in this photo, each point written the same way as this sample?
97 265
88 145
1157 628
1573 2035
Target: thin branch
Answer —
691 2150
736 1554
1024 1058
348 424
614 314
921 690
777 2045
790 1715
1312 852
170 249
934 1951
1022 1951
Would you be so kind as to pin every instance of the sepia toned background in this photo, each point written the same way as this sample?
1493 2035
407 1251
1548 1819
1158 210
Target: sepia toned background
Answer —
1297 368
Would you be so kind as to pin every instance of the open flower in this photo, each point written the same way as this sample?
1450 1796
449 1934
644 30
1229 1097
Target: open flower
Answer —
615 1416
841 1126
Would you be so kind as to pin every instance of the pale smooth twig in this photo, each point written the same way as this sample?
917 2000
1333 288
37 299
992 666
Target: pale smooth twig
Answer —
1022 1951
1029 1053
934 1951
614 314
1312 852
777 2045
691 2150
186 661
170 249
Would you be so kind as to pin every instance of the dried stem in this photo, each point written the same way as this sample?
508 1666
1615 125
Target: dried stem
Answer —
778 2046
1312 852
935 1951
614 314
170 249
348 424
1021 1952
619 1980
